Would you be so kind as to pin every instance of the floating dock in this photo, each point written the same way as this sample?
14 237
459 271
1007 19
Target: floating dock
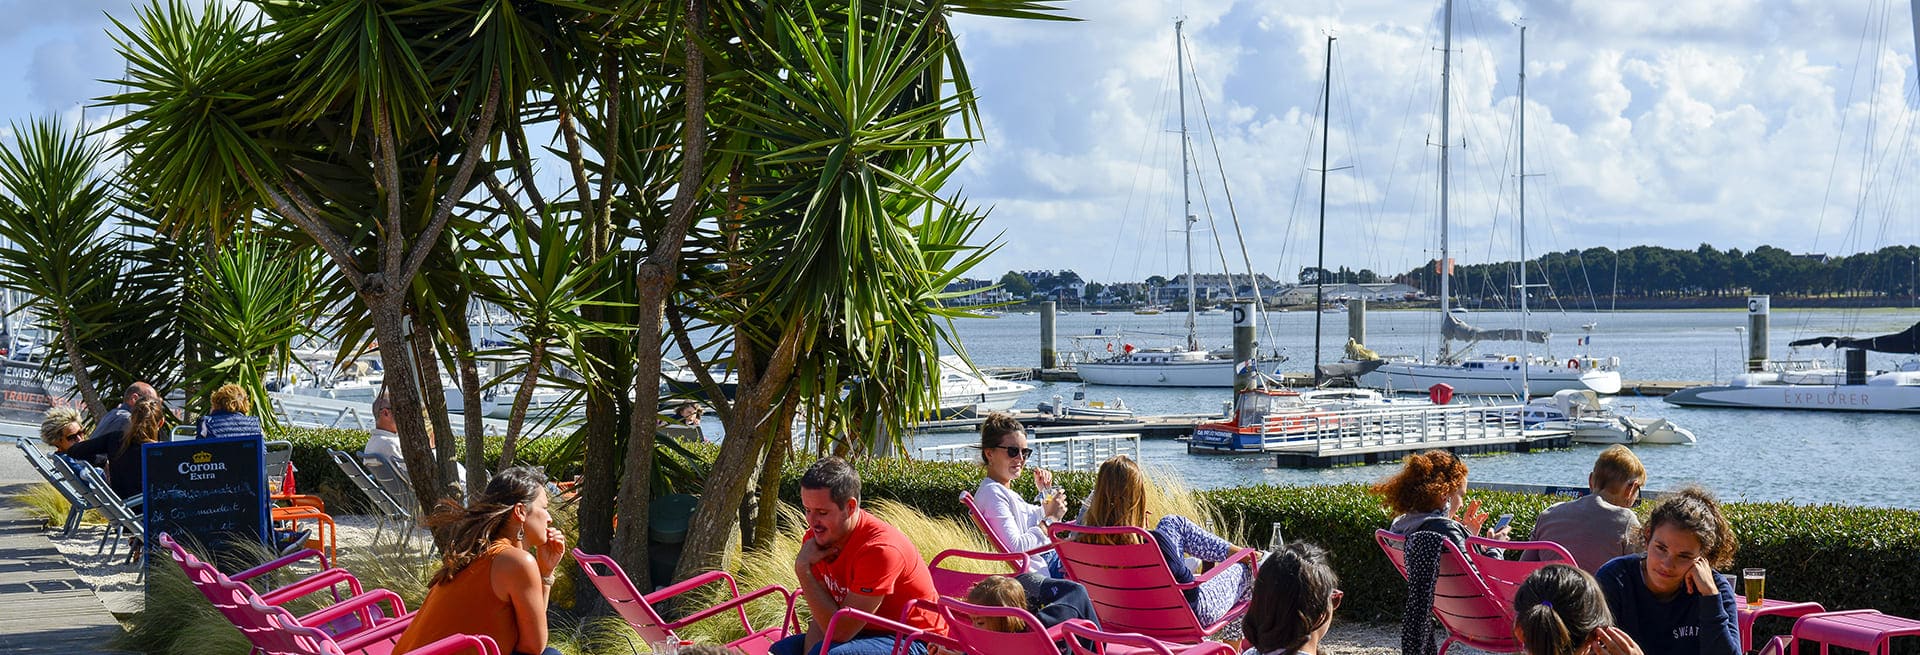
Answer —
1171 426
1312 456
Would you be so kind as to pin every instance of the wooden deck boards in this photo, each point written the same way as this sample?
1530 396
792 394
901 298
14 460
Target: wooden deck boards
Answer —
44 607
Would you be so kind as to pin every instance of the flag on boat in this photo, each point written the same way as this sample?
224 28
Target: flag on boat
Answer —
1244 368
1584 341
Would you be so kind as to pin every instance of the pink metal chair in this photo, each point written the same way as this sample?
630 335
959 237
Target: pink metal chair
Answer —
275 632
954 584
1504 576
1768 607
1867 631
1131 587
975 640
1113 643
1466 606
637 609
966 498
231 594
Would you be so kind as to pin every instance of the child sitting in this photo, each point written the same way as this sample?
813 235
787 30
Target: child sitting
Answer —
1294 596
1559 610
998 591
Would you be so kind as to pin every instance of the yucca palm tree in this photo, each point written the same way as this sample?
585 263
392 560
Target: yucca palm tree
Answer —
53 215
364 123
249 302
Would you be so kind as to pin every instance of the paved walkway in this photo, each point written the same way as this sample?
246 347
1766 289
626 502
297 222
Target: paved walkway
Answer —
44 607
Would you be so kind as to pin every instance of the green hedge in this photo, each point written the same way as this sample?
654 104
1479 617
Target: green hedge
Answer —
1842 557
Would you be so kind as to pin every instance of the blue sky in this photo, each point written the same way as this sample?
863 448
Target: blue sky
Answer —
1732 122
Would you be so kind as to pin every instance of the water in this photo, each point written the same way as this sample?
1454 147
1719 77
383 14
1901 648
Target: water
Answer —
1807 457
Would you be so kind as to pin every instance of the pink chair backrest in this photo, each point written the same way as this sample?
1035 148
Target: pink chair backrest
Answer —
966 498
1130 585
1462 601
1503 576
612 582
1102 639
976 640
271 630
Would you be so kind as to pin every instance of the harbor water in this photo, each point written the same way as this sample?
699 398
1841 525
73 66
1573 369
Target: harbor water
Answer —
1803 457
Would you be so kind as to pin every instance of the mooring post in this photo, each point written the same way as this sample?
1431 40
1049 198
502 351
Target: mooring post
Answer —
1047 357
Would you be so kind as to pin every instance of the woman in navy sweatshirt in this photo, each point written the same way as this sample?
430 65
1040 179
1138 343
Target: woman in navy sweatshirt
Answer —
1668 599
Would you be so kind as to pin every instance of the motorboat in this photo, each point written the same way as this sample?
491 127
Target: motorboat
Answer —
1263 416
963 391
1081 407
1853 388
1591 419
1497 374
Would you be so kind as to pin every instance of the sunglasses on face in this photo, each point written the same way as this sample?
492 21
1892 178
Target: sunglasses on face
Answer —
1017 452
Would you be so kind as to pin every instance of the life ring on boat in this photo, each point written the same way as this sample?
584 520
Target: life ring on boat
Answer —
1574 363
1109 346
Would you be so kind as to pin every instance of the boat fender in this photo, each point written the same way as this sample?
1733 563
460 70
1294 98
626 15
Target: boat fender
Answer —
1574 363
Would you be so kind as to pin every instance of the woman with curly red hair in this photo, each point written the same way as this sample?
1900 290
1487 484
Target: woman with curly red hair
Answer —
1428 499
1428 495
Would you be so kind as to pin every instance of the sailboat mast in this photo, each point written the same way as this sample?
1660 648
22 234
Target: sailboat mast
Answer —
1320 262
1446 261
1525 391
1186 191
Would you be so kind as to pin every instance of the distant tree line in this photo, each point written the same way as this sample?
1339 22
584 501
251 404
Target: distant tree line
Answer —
1656 272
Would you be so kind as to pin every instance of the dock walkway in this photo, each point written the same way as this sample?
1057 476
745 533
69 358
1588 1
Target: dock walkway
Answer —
44 607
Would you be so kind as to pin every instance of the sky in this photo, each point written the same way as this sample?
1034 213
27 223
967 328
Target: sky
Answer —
1731 122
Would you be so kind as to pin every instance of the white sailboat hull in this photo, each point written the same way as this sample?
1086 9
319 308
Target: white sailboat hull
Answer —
1204 373
1833 398
1491 381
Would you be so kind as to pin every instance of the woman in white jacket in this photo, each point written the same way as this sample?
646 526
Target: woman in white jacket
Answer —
1014 521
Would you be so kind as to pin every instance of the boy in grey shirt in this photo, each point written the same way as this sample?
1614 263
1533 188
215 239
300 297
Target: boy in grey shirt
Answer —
1597 527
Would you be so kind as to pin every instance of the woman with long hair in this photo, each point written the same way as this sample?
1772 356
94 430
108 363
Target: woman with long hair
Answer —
488 582
1017 523
1294 597
1120 499
1428 499
1668 598
1559 610
122 449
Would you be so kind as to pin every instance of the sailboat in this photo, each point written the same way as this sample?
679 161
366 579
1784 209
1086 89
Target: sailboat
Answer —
1188 365
1492 373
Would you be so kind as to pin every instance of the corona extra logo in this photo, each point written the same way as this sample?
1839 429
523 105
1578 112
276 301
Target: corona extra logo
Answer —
203 467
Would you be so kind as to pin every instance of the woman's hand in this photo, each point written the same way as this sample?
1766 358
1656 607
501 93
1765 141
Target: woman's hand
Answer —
549 553
1701 579
1472 517
1056 507
1042 478
1609 640
1502 534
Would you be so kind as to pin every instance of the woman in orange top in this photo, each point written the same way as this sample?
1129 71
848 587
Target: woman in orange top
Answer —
489 584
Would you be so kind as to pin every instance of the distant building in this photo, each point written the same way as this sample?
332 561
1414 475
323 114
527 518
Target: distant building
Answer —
1302 294
1215 287
1058 285
980 296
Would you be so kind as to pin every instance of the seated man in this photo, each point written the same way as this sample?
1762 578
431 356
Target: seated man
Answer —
384 439
1598 526
852 559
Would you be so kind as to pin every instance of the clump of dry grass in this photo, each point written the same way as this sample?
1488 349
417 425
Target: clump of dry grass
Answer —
1169 495
43 502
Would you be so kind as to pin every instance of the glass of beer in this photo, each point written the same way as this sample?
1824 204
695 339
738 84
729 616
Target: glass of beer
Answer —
1756 580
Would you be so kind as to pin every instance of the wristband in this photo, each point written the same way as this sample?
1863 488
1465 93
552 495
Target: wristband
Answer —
547 579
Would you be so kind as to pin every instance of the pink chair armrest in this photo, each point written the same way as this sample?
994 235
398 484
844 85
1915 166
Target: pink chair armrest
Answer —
277 564
322 581
907 634
358 605
387 632
683 586
1242 554
737 601
480 644
1017 560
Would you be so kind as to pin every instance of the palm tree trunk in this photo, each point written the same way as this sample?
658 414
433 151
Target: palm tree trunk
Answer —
766 521
476 431
433 397
388 315
656 280
535 360
77 365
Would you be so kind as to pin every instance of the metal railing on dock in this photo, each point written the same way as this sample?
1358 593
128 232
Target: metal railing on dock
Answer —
1075 453
1420 427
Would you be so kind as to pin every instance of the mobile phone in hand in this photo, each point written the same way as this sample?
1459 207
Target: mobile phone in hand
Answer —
1500 523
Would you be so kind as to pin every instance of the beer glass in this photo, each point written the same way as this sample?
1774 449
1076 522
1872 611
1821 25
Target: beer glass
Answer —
1756 580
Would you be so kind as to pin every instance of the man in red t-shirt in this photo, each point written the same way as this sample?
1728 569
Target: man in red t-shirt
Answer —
852 559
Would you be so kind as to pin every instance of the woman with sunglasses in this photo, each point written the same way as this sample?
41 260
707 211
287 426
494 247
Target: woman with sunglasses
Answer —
1017 523
1668 599
1294 597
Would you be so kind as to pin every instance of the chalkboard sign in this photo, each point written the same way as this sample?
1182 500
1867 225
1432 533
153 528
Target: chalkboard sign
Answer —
212 492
